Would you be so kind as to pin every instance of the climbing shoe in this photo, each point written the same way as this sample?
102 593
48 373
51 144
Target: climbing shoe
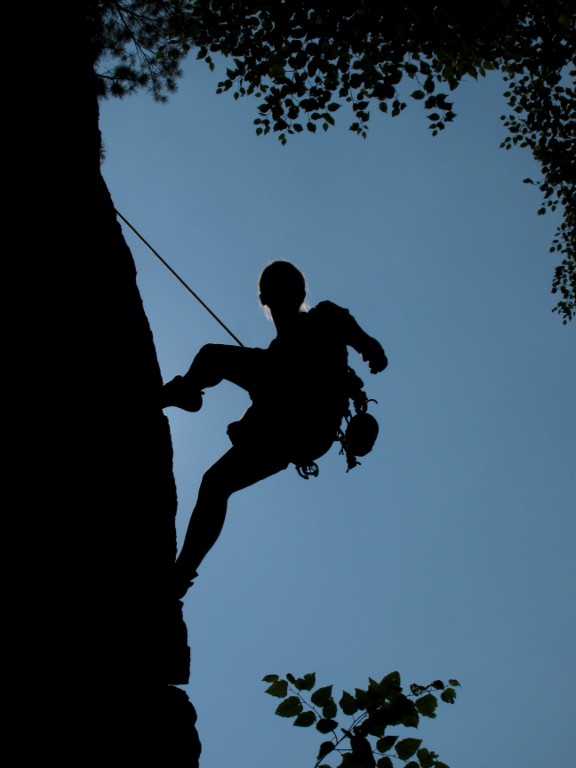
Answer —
182 585
179 394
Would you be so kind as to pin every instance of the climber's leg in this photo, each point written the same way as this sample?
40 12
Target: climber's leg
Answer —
237 469
213 363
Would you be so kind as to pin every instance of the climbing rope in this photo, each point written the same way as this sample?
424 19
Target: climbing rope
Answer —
177 276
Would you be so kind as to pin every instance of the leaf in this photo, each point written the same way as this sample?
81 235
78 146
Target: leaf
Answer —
361 698
290 707
305 720
278 689
322 695
377 721
386 743
449 695
325 748
375 687
330 709
362 754
455 683
326 726
391 680
426 705
409 714
348 704
407 748
384 762
270 678
426 758
307 682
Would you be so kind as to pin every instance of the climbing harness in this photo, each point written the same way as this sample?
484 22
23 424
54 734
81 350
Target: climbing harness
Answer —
360 432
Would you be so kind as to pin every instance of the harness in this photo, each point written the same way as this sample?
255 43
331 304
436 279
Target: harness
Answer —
360 431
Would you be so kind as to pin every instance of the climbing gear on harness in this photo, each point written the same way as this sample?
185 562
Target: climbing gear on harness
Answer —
307 470
361 431
359 437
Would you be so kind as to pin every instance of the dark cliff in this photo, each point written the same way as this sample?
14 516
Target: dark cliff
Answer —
96 640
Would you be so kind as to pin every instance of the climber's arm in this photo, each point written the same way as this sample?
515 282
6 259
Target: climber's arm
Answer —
356 337
368 347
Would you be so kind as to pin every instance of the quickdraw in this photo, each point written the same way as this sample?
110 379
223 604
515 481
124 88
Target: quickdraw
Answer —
307 470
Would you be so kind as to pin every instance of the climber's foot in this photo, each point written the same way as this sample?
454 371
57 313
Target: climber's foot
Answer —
182 585
179 394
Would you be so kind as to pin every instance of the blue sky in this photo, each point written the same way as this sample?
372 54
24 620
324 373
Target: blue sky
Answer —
450 551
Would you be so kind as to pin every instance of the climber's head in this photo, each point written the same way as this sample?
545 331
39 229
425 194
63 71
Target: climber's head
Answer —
282 287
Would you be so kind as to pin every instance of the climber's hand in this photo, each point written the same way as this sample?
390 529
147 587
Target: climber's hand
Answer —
375 357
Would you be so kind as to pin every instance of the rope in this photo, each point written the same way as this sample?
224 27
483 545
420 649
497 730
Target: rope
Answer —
177 276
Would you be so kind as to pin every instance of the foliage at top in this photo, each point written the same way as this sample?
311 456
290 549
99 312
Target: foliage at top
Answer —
128 40
306 59
363 742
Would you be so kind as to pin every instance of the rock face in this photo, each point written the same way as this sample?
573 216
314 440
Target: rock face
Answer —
97 647
100 646
139 639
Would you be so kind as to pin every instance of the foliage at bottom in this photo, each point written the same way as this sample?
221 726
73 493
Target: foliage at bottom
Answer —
363 742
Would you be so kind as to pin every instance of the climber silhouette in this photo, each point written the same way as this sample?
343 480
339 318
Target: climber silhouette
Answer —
299 391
